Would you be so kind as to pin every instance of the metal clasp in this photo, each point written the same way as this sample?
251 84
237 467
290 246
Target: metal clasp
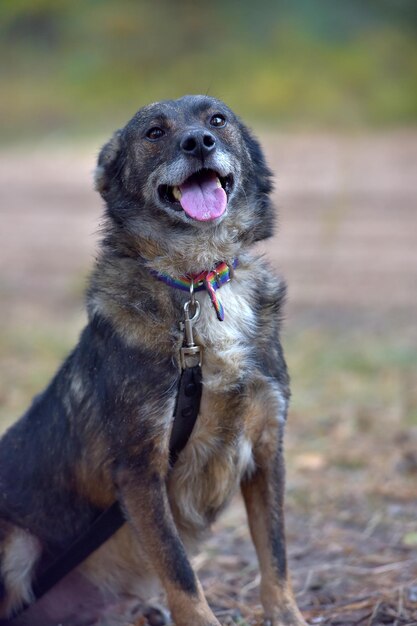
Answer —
229 277
190 353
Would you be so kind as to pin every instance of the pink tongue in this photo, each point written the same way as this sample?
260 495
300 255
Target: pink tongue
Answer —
201 198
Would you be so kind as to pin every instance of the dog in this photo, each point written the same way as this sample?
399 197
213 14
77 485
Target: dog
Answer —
186 188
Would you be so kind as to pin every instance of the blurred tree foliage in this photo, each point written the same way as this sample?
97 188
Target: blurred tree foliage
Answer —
88 64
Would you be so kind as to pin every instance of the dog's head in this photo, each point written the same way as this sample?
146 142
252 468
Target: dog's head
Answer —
188 165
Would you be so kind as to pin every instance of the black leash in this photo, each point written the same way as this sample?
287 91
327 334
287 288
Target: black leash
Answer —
186 410
185 415
108 522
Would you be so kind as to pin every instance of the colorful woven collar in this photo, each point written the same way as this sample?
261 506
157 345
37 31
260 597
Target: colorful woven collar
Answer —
211 281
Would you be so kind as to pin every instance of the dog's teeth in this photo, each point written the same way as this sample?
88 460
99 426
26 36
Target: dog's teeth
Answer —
176 192
218 183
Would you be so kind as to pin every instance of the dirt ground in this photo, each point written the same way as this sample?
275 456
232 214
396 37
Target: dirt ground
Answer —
347 245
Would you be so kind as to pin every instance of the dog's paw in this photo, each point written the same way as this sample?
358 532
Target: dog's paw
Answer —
285 619
280 607
279 622
194 622
156 616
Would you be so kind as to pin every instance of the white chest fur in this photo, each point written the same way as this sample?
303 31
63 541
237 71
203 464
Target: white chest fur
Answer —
219 453
227 343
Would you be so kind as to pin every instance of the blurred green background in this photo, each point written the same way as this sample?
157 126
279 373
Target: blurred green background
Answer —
77 66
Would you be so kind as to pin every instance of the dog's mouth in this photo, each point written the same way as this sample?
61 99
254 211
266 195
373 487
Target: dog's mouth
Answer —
203 196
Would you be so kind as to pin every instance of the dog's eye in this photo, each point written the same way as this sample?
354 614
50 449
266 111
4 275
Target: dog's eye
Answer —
155 133
218 120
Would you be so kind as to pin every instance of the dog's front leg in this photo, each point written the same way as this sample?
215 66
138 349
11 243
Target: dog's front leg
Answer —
144 498
263 494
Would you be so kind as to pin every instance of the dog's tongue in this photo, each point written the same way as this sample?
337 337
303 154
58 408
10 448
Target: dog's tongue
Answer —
202 198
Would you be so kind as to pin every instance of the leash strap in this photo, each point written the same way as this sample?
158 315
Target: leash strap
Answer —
112 519
185 415
186 410
103 527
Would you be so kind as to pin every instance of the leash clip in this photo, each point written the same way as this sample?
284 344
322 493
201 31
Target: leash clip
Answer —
190 354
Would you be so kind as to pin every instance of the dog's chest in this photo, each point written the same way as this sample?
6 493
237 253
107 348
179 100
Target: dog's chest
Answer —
226 344
218 453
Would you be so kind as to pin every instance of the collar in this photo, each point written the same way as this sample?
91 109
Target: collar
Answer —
210 280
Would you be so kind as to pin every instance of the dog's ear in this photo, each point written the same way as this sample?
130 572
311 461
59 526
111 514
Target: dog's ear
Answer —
262 181
263 175
108 164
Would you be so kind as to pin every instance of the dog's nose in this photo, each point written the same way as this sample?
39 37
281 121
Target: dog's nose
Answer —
198 143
